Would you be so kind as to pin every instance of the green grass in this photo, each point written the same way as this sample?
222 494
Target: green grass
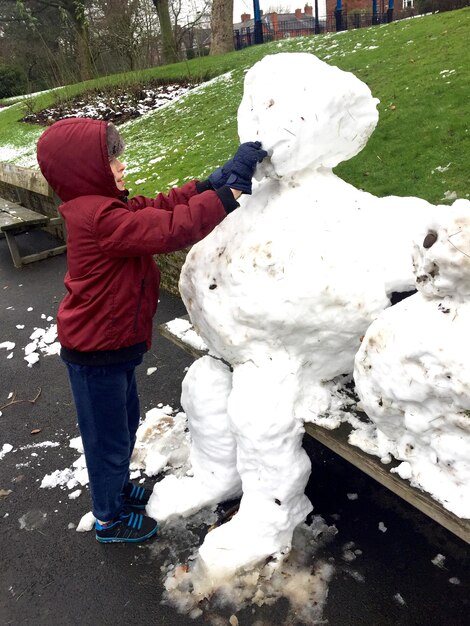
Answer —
419 69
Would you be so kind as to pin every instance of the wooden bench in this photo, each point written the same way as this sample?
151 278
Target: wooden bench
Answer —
337 441
16 218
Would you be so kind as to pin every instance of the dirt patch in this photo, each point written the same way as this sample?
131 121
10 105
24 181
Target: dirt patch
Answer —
117 104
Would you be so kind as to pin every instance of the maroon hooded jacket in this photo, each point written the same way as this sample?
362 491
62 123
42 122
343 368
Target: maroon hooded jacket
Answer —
112 279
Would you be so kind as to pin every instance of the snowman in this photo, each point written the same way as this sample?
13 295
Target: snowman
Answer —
412 371
282 292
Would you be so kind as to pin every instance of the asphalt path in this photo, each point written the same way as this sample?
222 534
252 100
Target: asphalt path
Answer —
51 574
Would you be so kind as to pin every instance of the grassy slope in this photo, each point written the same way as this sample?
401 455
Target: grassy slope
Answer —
423 110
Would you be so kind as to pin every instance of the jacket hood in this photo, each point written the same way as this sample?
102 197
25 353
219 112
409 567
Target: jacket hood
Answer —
73 157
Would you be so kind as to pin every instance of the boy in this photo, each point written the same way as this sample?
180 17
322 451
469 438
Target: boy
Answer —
105 319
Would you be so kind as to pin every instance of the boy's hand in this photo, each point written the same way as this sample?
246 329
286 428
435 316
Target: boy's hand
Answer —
244 162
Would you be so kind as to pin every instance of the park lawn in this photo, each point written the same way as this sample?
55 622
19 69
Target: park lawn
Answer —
418 68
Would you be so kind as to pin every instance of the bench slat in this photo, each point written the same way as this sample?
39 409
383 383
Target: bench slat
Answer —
13 216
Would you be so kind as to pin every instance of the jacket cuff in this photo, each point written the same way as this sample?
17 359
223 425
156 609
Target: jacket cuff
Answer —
203 185
226 197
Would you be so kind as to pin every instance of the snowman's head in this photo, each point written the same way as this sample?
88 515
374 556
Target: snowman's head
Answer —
441 262
306 113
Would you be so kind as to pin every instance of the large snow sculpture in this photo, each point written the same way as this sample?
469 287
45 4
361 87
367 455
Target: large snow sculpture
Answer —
412 371
283 290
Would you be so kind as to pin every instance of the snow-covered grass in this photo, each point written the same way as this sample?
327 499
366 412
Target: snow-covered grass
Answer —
419 69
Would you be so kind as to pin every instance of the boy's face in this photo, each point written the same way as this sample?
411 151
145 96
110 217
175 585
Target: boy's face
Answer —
117 169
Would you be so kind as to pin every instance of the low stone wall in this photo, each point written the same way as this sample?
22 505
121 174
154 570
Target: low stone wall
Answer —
170 266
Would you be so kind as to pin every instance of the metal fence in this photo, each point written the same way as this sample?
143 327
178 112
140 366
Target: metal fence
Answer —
334 22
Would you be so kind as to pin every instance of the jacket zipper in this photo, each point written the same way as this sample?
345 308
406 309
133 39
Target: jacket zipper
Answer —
139 304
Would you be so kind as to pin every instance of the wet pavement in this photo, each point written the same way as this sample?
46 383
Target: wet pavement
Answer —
381 555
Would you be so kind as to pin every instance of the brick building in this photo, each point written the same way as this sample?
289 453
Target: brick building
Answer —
280 25
365 6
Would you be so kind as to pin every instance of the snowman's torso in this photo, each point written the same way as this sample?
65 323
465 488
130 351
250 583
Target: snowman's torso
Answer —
288 272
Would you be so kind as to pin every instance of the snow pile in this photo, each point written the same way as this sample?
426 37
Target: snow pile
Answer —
7 447
284 290
70 477
183 328
413 369
43 341
161 441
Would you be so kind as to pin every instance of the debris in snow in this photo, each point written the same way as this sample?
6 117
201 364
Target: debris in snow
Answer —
7 447
382 527
151 370
44 342
439 560
162 440
86 523
74 495
20 326
70 476
352 496
454 580
41 444
32 520
299 577
7 345
77 444
441 168
450 195
32 358
399 599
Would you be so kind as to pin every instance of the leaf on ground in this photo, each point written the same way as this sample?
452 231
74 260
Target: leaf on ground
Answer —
35 431
4 492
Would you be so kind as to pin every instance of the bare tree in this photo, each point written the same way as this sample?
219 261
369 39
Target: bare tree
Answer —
190 19
222 26
278 8
71 12
121 33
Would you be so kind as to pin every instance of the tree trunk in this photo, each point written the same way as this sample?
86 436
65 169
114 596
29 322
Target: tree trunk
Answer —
169 50
222 27
84 54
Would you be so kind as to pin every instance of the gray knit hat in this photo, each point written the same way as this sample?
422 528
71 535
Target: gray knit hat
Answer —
114 141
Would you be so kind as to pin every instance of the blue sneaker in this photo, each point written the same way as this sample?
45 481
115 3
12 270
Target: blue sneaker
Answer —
129 527
135 496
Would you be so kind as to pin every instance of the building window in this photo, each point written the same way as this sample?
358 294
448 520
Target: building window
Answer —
408 4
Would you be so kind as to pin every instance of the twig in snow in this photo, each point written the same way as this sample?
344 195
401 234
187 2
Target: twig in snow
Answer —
15 401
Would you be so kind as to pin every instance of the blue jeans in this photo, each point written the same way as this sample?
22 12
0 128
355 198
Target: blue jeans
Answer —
108 414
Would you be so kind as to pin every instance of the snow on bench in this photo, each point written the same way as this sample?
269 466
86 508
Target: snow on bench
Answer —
181 332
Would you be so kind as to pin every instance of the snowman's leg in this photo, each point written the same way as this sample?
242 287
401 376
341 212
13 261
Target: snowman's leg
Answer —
272 464
205 391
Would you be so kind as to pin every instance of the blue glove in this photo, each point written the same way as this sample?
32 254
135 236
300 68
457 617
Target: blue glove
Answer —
236 168
244 164
218 178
